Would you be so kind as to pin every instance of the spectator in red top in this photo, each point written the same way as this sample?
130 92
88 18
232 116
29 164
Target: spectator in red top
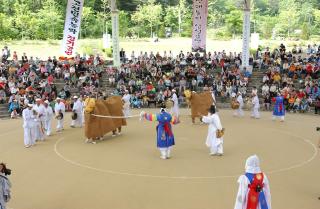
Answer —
309 69
301 94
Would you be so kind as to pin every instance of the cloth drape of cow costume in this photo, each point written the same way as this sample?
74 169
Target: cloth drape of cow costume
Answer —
200 103
95 126
199 28
71 27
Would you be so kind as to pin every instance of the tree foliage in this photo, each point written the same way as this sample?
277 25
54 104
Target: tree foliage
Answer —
44 19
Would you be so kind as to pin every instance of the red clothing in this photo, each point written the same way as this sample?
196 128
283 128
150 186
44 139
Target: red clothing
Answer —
301 95
309 69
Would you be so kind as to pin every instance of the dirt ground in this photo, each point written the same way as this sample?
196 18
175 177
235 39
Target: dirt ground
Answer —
125 172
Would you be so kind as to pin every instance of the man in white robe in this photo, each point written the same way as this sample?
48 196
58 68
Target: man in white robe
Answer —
48 117
29 124
39 128
126 107
252 186
77 108
175 107
59 108
239 112
255 108
213 97
215 144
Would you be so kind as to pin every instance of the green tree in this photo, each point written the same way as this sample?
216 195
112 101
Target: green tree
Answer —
49 22
148 14
234 22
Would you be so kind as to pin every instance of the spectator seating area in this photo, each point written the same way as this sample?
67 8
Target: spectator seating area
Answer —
21 81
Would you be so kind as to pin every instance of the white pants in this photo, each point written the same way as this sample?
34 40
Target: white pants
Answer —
165 152
275 117
40 131
60 125
217 148
82 117
126 111
47 126
78 122
255 113
175 111
29 136
239 112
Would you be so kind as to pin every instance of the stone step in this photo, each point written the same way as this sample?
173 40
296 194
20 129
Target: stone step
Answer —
3 115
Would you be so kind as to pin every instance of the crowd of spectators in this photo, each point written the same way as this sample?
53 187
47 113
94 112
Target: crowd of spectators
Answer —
150 78
295 74
153 76
23 80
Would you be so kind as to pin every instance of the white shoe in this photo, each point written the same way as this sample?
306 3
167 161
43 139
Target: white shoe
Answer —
119 133
163 157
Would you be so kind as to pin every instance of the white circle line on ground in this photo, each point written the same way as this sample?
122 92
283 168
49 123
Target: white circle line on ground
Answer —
315 153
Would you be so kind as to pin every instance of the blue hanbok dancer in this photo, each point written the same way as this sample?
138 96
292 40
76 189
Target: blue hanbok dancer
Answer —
278 109
165 137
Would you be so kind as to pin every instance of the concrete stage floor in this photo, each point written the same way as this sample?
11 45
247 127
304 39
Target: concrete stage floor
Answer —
125 172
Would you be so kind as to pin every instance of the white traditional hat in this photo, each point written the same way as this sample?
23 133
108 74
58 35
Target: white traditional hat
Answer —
30 105
38 99
58 98
75 97
253 165
47 102
173 90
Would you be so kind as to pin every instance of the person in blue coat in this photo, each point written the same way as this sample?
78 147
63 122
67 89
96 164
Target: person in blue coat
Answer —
165 137
278 109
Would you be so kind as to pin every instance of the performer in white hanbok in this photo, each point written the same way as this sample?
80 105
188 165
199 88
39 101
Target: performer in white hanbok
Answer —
254 190
239 112
215 144
29 123
213 97
39 128
5 186
175 107
78 109
47 117
126 107
255 108
59 110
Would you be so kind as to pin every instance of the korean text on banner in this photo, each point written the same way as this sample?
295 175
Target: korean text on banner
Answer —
71 27
199 28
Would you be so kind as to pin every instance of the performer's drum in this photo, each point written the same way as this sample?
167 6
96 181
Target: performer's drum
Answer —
169 103
74 116
59 116
220 133
235 105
